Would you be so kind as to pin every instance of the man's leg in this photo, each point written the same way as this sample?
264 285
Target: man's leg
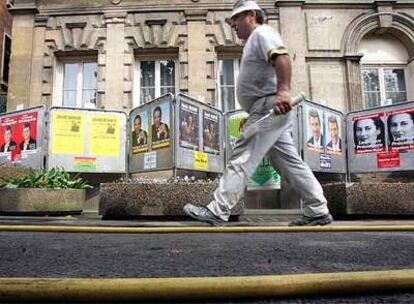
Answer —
246 156
283 155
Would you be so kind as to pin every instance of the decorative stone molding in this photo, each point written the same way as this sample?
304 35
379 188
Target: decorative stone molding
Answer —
289 3
24 7
153 30
81 34
368 23
161 31
40 21
195 15
220 30
115 17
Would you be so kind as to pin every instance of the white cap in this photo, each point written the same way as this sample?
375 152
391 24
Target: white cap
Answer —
244 5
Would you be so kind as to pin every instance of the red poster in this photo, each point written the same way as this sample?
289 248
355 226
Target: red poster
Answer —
369 133
18 135
388 160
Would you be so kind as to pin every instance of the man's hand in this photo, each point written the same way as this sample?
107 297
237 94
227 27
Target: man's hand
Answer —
283 103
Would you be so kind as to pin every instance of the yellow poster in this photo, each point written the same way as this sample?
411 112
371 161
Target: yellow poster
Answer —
68 132
200 161
104 135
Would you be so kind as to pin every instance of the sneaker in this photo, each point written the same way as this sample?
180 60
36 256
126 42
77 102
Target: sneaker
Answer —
312 221
202 214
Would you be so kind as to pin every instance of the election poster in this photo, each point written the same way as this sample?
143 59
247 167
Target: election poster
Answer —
400 124
160 126
189 126
369 133
265 177
139 135
211 133
18 135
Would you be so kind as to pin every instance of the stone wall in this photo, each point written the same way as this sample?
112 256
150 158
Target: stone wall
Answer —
322 37
5 29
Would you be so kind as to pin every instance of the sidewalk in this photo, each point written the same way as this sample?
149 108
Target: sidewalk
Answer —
90 218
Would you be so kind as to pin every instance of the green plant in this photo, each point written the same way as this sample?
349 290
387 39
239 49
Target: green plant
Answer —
55 178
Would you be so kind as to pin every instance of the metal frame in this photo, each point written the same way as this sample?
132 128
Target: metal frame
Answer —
306 155
406 157
49 132
40 138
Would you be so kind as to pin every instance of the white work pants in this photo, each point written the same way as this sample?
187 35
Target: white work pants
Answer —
277 143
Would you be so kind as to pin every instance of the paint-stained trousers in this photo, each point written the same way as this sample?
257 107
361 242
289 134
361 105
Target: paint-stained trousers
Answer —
277 143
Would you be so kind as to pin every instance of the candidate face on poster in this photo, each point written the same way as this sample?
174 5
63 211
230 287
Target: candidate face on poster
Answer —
314 130
160 131
188 118
369 133
401 129
333 133
140 133
18 135
211 142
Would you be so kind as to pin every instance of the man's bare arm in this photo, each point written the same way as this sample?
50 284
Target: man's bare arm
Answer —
283 70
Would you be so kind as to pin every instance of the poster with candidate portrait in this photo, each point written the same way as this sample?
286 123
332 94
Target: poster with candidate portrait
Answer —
400 124
265 177
139 133
160 126
211 136
333 134
18 136
313 129
188 120
369 133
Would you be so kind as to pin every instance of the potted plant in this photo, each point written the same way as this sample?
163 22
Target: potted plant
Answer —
42 192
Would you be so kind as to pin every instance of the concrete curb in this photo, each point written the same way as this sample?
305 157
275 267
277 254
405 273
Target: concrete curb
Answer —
197 229
202 288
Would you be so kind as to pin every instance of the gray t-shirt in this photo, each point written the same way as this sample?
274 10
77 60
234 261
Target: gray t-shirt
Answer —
257 76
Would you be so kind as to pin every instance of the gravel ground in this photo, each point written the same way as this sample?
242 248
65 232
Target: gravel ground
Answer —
80 255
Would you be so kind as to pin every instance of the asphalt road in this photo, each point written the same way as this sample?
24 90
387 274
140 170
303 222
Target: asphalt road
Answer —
81 255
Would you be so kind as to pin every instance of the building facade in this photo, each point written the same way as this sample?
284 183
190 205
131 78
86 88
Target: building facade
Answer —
5 49
118 54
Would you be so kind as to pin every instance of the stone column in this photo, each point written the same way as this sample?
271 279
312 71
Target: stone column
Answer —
410 82
353 82
197 54
36 73
294 36
21 56
115 47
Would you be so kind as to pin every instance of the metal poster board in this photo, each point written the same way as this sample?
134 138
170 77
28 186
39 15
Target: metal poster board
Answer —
381 139
86 140
21 137
265 177
323 133
199 136
151 134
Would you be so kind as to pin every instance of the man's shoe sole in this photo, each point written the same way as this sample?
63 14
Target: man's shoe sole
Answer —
210 221
317 222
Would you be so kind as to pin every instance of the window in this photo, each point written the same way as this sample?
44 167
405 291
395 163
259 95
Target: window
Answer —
384 66
6 58
155 78
79 84
383 86
228 71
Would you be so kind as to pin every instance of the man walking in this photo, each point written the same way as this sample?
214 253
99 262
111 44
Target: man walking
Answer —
265 68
